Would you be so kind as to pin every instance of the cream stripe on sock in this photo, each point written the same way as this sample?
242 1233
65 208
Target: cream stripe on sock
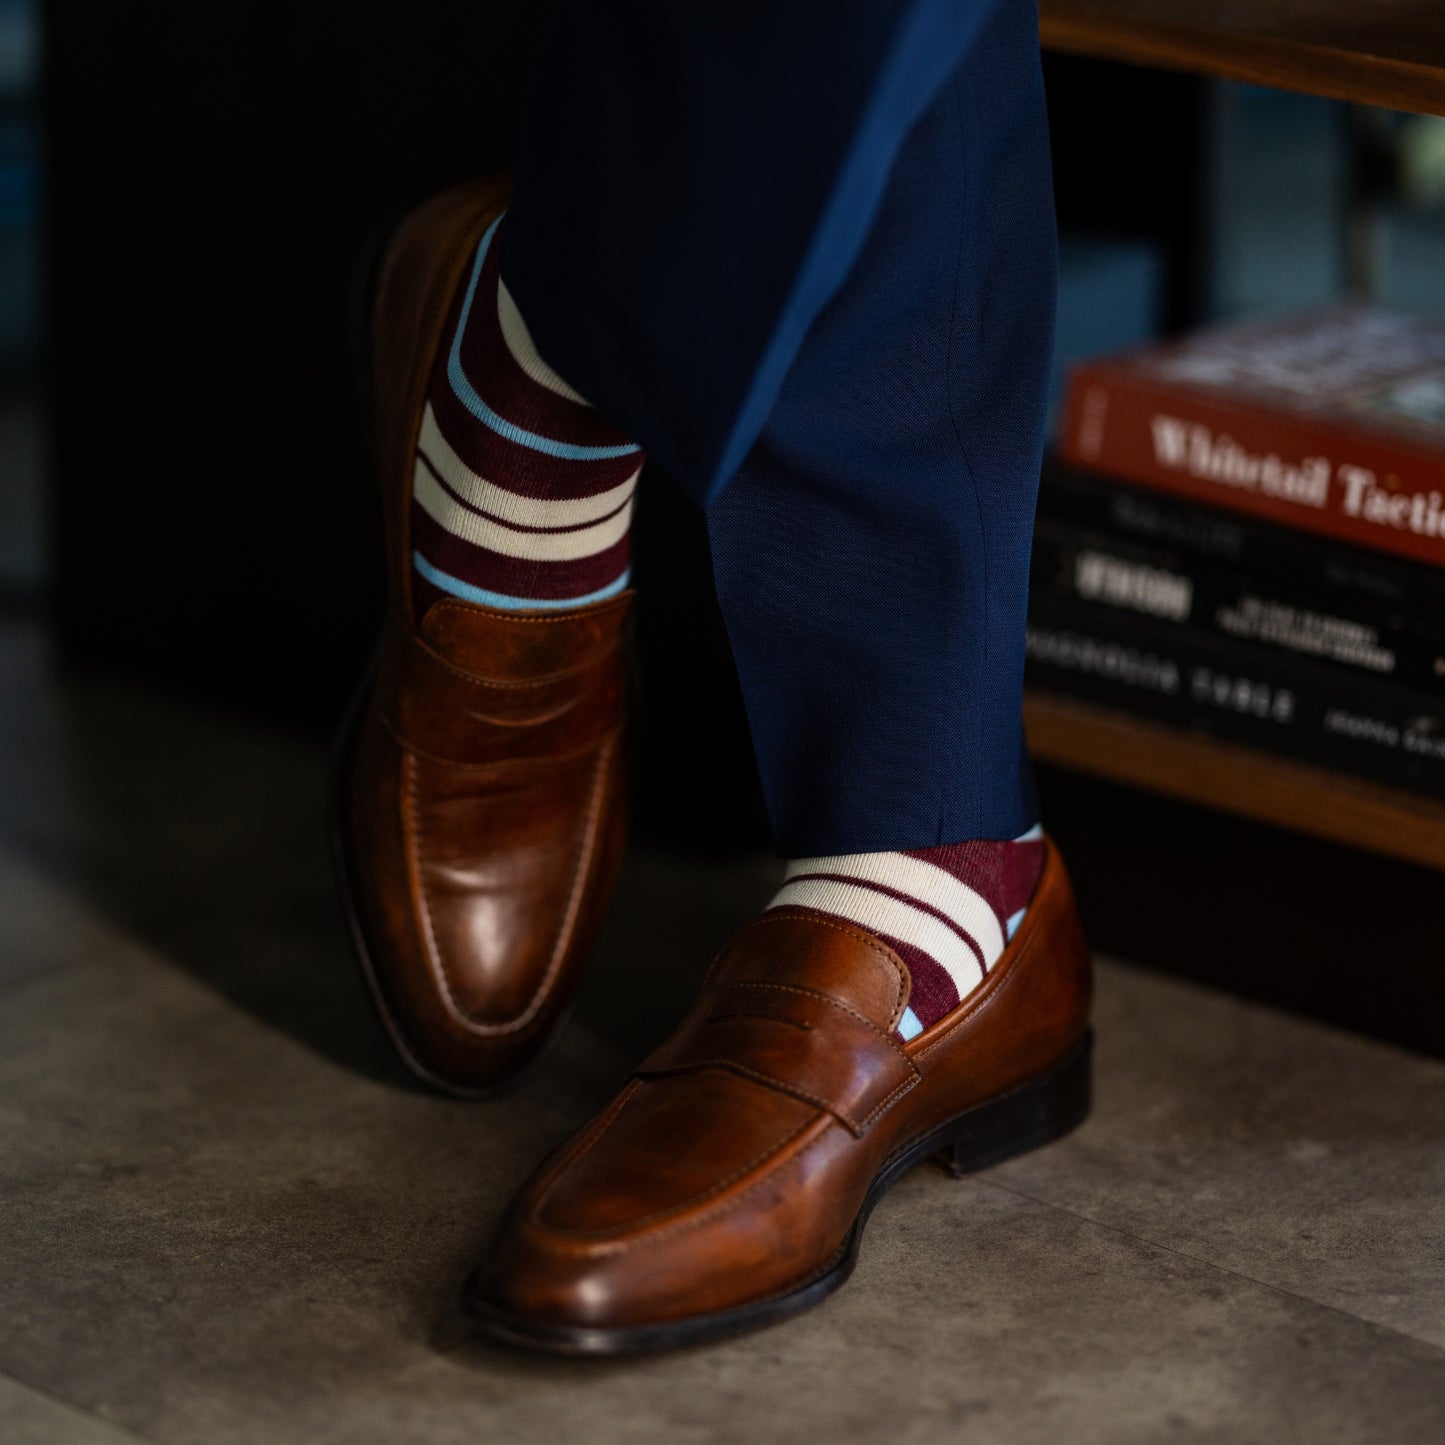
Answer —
524 349
880 913
924 881
510 506
497 537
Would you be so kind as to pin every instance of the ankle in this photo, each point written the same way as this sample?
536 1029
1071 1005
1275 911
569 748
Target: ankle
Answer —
948 911
522 493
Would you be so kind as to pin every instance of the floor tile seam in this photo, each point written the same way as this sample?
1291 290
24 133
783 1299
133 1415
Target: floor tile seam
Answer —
1225 1269
59 1400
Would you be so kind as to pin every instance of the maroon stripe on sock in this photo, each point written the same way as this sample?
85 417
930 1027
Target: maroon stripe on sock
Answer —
515 576
491 368
910 898
998 869
1019 876
933 992
522 469
511 526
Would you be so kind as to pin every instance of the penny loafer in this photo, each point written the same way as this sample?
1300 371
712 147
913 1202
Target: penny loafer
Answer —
478 810
727 1186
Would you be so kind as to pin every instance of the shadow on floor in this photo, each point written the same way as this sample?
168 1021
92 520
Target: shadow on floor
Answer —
204 839
1321 930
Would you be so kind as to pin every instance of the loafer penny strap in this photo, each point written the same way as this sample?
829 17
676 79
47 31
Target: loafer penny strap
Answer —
445 713
797 1040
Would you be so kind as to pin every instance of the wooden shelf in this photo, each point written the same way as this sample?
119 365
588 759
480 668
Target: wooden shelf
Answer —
1199 769
1380 52
1377 52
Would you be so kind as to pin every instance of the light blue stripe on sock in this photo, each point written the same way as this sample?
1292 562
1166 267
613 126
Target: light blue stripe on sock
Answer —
468 593
1012 926
466 393
908 1025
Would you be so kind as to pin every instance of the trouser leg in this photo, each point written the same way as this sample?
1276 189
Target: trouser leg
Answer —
872 552
824 235
695 180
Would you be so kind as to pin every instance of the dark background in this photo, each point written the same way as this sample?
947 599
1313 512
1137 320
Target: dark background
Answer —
214 171
210 173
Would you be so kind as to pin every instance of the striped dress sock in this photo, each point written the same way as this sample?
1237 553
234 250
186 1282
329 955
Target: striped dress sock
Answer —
947 912
521 492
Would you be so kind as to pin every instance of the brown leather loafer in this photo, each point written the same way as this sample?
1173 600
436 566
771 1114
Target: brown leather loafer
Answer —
478 814
728 1185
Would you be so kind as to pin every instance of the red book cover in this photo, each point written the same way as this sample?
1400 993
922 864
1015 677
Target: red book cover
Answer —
1332 422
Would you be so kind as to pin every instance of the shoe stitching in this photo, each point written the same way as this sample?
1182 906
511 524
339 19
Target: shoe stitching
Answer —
547 1185
855 1126
618 602
841 1004
748 1072
883 1105
1005 971
501 765
433 953
691 1220
606 647
761 1018
858 1126
585 852
791 1287
530 1016
438 302
886 954
563 1239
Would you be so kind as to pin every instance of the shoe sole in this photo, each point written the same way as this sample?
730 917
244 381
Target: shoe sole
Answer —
1023 1119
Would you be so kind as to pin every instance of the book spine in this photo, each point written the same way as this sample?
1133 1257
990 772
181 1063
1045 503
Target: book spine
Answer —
1391 586
1374 731
1082 565
1317 475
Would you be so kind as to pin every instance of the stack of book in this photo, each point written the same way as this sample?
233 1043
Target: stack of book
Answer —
1244 533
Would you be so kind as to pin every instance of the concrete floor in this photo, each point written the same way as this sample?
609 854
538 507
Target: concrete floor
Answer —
225 1216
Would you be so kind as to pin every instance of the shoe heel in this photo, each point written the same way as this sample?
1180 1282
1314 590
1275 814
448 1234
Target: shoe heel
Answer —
1026 1118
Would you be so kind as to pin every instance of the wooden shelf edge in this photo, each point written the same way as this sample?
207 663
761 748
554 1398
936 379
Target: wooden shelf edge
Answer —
1195 768
1256 59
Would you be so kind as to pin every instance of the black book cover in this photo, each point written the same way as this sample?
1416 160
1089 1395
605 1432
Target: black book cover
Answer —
1369 586
1085 564
1305 711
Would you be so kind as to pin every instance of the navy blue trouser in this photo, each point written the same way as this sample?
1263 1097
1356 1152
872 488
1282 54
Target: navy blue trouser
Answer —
804 253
